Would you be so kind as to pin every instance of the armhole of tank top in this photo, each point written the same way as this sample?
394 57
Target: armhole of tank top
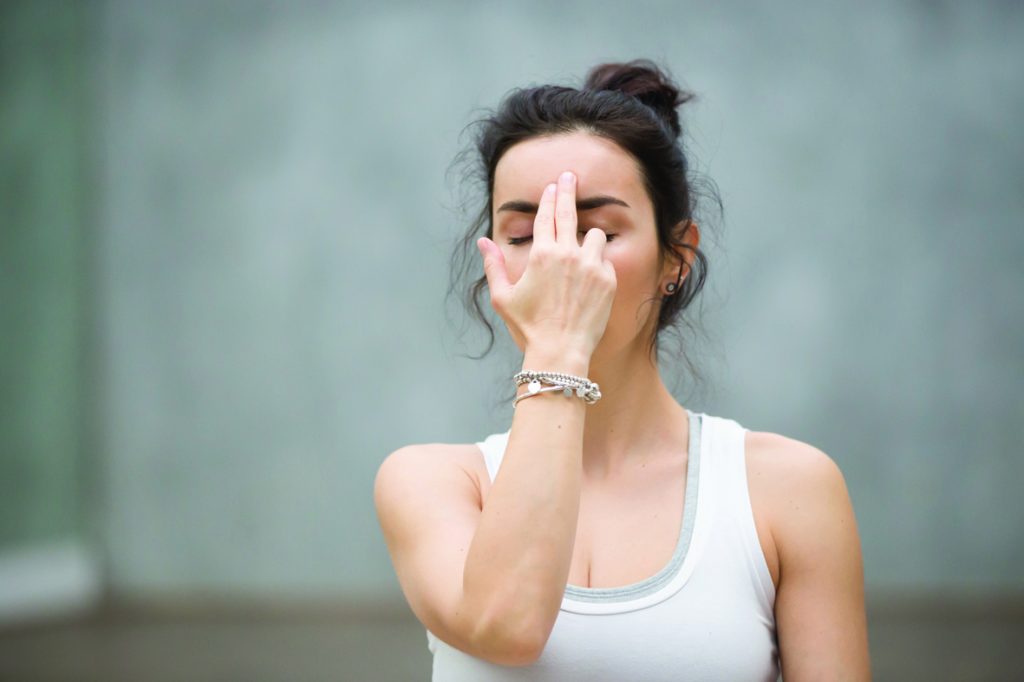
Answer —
431 641
764 576
491 448
482 447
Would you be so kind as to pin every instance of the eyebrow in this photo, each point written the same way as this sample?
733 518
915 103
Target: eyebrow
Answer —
581 205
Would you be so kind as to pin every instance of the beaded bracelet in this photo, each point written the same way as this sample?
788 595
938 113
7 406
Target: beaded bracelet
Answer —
567 383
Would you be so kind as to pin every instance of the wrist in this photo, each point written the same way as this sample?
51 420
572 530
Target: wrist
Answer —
565 360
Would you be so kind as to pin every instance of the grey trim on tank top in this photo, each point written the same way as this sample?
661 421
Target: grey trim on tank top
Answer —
661 578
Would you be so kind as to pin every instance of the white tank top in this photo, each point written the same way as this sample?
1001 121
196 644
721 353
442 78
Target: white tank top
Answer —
706 615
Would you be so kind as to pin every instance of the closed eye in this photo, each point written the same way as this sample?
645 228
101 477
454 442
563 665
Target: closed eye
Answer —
519 240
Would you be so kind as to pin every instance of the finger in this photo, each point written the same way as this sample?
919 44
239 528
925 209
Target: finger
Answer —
594 242
565 209
494 268
544 221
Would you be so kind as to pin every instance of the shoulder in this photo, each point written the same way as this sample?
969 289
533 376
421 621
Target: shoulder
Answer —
432 452
820 591
417 464
800 488
790 463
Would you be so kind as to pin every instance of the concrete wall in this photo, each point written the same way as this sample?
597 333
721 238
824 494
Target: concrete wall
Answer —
273 222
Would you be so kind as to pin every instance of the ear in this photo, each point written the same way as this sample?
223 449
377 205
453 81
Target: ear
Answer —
689 234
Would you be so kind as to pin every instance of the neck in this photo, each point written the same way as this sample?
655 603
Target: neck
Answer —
636 420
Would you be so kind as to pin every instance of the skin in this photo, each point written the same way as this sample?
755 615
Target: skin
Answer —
802 509
637 415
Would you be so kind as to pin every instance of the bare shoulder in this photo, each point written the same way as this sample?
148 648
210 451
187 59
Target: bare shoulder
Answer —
788 461
819 605
424 463
450 453
795 485
428 504
786 471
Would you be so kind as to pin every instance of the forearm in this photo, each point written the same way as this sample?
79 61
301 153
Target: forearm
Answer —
518 563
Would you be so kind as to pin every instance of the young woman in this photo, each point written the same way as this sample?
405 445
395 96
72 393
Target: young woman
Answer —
611 533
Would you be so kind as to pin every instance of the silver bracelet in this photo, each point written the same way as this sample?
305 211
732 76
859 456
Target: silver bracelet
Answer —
530 393
569 384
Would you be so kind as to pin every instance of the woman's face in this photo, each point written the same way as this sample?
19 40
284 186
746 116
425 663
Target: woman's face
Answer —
604 171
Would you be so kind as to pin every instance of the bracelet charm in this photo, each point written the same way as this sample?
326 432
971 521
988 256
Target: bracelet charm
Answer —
568 384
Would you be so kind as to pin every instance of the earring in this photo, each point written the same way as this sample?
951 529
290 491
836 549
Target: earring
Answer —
672 286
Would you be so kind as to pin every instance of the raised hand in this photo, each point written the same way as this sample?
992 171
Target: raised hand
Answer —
564 297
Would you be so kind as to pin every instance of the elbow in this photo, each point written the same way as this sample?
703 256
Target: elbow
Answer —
506 630
527 646
511 646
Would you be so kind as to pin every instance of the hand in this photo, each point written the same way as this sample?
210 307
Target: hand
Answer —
565 295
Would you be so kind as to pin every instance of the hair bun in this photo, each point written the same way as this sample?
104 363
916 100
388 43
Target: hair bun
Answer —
645 80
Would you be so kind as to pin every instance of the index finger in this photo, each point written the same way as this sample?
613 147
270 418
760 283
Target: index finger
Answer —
544 221
565 209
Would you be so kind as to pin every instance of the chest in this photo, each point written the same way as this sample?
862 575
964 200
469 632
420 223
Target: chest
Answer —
628 531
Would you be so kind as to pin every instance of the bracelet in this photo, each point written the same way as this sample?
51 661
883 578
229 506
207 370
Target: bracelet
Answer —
567 383
530 394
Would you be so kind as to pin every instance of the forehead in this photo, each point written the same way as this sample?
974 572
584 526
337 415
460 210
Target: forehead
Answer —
600 165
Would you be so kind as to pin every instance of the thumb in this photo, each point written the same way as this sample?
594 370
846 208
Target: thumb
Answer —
494 266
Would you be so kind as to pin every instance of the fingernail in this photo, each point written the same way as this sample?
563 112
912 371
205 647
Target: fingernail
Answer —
568 177
550 189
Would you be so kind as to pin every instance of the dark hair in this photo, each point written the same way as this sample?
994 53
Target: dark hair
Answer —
632 104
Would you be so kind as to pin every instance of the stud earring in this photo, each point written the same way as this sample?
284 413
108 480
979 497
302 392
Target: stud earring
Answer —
672 286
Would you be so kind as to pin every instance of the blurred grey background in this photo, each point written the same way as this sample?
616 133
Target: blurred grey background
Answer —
224 249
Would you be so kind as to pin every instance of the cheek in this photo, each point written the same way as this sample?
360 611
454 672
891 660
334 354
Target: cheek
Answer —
635 284
628 270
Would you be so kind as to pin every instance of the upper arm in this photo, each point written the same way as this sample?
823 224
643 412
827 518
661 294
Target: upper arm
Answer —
428 509
819 604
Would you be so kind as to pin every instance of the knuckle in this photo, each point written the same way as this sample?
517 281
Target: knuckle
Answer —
563 255
541 252
595 277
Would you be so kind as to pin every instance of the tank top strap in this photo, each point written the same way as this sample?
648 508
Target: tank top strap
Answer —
733 492
727 443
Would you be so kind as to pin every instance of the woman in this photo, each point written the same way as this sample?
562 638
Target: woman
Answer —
611 533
